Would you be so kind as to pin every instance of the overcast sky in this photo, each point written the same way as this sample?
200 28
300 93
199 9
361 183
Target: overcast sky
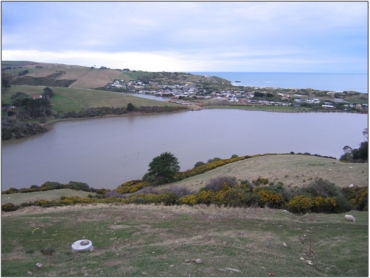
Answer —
190 36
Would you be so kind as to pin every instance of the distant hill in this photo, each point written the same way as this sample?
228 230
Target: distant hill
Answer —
74 76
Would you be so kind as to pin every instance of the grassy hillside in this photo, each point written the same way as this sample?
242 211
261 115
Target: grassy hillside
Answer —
292 170
90 78
74 99
139 240
18 198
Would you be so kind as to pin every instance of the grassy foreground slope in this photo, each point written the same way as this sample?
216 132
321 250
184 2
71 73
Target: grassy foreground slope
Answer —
139 240
292 170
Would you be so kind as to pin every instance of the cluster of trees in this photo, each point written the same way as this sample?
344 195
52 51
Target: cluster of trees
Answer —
33 108
23 72
356 155
101 111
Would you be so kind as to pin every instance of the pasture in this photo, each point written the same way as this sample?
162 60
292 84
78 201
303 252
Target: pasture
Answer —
149 240
74 99
292 170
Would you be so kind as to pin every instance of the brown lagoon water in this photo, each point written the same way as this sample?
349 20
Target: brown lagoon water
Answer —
106 152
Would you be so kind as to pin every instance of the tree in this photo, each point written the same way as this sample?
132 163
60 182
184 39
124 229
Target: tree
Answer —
6 80
347 156
366 133
48 92
258 94
130 107
163 168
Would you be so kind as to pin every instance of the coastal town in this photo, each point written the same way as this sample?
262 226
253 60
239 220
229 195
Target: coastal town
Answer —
189 92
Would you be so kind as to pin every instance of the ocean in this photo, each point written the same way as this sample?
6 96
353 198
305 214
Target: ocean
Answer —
319 81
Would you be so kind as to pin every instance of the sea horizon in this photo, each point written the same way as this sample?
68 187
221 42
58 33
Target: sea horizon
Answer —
337 82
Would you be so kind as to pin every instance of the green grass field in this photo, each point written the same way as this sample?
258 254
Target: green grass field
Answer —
74 99
156 241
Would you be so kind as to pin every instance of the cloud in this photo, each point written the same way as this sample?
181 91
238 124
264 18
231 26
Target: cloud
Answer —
117 60
193 34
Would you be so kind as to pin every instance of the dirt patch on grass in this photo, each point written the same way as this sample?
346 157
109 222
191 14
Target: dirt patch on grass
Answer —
119 227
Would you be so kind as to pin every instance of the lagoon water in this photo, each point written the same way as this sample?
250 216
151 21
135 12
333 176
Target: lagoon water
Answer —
319 81
105 152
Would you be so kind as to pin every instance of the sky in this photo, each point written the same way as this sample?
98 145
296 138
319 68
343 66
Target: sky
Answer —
190 36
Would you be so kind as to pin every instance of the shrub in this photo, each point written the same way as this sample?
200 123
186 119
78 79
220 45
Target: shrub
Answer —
357 196
179 191
148 178
274 200
131 186
199 163
9 207
236 197
246 185
214 159
300 204
325 189
205 197
321 204
216 184
188 200
102 191
169 199
260 181
49 185
78 186
11 190
42 203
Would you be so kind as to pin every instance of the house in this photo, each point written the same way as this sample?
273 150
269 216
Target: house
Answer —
37 96
327 106
339 100
10 109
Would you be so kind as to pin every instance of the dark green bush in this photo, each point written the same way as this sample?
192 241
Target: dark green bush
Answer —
236 197
246 185
358 197
78 186
326 189
169 199
199 163
260 181
215 184
9 207
50 185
